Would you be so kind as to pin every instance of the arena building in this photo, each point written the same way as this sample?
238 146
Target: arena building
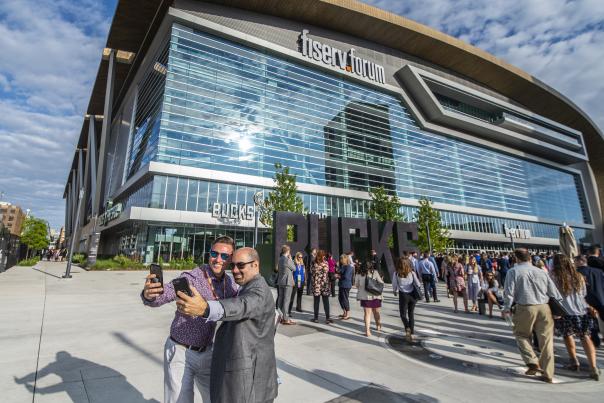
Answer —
195 101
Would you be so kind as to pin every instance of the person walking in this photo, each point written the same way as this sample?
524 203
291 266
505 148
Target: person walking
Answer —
594 279
298 289
474 276
371 303
320 286
427 271
344 285
457 283
406 284
530 289
580 321
331 274
285 282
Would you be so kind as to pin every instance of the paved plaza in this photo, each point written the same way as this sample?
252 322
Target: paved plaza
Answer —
90 339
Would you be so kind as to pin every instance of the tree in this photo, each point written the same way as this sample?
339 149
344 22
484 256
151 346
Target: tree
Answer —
283 197
439 235
384 207
34 234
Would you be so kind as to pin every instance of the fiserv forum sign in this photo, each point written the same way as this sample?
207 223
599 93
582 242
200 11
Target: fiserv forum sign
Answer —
344 60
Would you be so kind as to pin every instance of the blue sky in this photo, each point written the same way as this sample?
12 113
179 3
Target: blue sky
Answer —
51 50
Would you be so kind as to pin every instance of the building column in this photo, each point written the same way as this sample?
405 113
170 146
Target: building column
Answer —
98 184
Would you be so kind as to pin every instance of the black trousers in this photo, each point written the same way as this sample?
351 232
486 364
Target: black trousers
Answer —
343 298
332 285
325 305
406 307
296 292
308 283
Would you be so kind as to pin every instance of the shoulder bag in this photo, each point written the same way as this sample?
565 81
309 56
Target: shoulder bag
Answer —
372 286
557 308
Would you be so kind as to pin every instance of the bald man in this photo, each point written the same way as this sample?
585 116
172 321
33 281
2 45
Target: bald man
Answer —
244 368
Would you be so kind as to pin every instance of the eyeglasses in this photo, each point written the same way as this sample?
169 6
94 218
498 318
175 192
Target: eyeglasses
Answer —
241 265
224 256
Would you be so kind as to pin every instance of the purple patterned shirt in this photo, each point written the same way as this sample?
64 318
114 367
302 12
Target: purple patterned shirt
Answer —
186 330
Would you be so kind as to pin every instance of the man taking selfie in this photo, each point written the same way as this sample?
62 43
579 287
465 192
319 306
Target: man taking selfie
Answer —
188 349
244 367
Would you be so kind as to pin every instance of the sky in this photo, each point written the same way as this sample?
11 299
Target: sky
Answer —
51 51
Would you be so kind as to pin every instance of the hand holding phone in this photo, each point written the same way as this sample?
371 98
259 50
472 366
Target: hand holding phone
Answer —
181 284
159 273
154 284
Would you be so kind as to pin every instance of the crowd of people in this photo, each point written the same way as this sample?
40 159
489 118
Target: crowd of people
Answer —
56 255
562 297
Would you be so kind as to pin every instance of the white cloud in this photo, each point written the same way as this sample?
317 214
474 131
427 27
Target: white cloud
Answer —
50 51
557 41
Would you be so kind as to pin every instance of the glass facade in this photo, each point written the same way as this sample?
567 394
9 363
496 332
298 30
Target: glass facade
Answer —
211 103
174 193
231 108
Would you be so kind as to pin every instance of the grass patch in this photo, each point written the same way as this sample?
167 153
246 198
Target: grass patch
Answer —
119 262
29 262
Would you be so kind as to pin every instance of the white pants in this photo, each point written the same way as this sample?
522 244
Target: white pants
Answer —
183 369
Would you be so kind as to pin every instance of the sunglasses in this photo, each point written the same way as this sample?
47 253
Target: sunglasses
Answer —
241 265
223 256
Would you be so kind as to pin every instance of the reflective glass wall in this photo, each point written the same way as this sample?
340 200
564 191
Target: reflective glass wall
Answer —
174 193
231 108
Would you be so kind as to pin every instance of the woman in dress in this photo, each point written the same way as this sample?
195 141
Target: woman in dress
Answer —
320 285
406 284
580 322
457 283
371 303
474 276
344 285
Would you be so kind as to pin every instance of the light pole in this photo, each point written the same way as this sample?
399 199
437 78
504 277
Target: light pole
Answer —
258 204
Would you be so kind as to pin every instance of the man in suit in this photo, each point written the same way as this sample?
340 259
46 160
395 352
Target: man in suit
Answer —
244 367
285 282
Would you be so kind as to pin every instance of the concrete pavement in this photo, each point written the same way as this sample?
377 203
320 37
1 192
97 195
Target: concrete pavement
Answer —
90 339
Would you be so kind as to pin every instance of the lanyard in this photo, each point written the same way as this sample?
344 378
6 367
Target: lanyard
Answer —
205 273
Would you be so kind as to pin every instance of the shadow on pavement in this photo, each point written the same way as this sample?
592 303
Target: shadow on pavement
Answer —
83 381
336 383
124 339
45 272
378 394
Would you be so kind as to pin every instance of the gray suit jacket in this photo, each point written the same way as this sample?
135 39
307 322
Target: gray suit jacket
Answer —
244 368
286 271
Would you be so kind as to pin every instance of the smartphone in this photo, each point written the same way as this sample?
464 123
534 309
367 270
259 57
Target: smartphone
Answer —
159 273
181 284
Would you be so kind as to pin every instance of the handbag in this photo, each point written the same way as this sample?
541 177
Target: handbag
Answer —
273 279
417 292
372 286
557 308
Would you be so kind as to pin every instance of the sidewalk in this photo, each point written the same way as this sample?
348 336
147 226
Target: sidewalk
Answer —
90 339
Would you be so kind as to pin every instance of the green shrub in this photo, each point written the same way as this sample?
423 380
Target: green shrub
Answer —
78 258
182 264
119 262
29 262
